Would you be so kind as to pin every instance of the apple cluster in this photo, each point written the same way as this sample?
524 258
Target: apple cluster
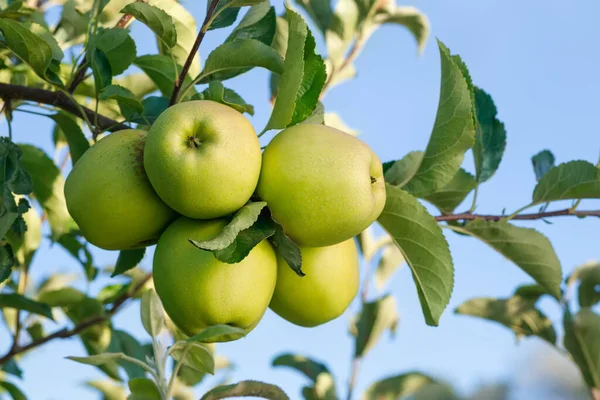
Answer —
199 163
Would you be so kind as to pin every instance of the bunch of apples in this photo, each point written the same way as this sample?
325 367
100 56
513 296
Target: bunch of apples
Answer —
199 163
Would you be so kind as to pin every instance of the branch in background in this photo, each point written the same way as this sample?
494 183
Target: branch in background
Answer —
188 62
66 333
59 100
467 216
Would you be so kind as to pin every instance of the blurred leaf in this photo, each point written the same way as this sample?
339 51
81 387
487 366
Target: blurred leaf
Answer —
217 92
14 392
63 297
161 70
24 245
127 260
26 45
47 36
588 276
218 333
375 318
526 247
490 137
246 389
454 193
424 247
542 163
117 46
258 23
302 79
280 43
391 260
185 24
341 33
80 251
582 340
127 101
156 19
400 172
335 121
516 313
531 292
78 144
110 293
48 189
152 313
454 130
411 18
20 302
317 116
194 355
397 387
236 57
572 180
123 342
98 359
143 389
11 367
109 390
323 389
319 11
312 369
243 219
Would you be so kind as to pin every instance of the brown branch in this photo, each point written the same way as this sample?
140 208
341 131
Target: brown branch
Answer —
466 216
190 59
60 100
66 333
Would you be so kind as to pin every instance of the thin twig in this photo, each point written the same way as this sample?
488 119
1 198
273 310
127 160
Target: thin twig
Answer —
66 333
60 100
467 216
190 59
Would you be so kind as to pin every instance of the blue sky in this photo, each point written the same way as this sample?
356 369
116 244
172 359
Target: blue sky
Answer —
539 61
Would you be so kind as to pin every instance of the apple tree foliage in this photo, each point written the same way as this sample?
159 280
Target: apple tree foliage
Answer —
70 60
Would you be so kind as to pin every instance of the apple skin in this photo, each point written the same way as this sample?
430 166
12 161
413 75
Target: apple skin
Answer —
203 159
110 198
323 294
198 291
321 184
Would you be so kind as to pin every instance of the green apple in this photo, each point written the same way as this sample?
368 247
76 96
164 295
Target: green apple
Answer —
198 291
321 184
324 293
203 159
109 196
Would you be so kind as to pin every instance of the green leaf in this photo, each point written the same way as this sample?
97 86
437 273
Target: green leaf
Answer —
78 144
152 313
185 24
391 259
161 70
127 260
98 359
399 173
258 23
48 189
20 302
153 107
111 293
411 18
398 386
143 389
7 260
194 355
526 247
453 132
47 36
243 219
11 367
156 19
217 92
490 137
582 340
454 193
117 46
375 318
323 389
30 48
14 392
542 163
246 389
424 247
302 80
123 342
234 58
572 180
312 369
218 333
127 101
516 313
588 292
63 297
100 69
226 15
286 248
319 11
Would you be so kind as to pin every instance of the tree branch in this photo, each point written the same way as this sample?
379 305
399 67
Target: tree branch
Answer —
60 100
190 59
467 216
66 333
